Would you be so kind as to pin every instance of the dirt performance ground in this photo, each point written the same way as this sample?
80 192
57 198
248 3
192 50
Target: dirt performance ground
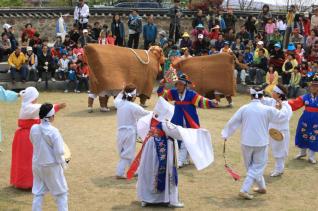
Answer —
92 140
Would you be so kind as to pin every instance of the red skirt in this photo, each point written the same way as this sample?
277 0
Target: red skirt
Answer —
22 151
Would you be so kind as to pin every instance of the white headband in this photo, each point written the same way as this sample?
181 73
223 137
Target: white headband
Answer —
50 114
278 90
256 93
131 94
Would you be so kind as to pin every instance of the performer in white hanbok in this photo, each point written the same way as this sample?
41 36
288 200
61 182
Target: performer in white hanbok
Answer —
254 119
48 162
279 148
128 113
157 173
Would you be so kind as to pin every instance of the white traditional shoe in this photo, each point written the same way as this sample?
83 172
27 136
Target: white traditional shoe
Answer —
66 91
276 173
40 80
312 160
144 204
300 156
90 110
246 196
105 109
53 79
260 190
177 205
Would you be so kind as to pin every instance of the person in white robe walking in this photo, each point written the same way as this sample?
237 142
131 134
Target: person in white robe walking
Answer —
128 114
254 119
48 162
280 148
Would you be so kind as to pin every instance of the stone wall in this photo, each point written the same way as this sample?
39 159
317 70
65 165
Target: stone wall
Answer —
46 26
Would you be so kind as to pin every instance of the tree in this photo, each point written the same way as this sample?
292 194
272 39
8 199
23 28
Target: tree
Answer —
245 4
11 3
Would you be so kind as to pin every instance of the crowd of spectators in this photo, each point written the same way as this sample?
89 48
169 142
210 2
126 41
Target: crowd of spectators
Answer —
265 47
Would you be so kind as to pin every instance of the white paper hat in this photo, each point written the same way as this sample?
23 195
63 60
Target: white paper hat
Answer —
29 95
163 110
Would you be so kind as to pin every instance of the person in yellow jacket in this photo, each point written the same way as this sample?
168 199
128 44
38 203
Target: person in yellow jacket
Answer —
271 80
17 64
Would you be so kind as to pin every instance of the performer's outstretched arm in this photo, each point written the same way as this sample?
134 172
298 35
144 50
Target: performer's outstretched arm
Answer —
7 95
202 102
165 93
296 103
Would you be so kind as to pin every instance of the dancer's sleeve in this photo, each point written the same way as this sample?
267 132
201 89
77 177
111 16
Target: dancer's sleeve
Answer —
7 95
296 103
165 93
58 146
232 125
202 102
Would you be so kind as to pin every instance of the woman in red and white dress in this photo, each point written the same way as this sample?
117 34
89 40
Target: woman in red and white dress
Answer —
22 150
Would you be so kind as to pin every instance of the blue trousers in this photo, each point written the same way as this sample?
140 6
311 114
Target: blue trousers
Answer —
23 72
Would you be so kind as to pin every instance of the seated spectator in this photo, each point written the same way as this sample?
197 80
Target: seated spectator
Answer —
102 39
288 67
68 43
311 39
162 38
281 25
5 47
186 41
294 83
110 38
74 33
229 19
296 37
82 74
25 41
200 45
118 30
291 49
17 65
35 42
46 63
63 66
277 37
78 49
250 45
243 35
248 56
58 42
258 68
214 34
96 30
167 47
31 60
250 26
213 50
304 69
226 48
300 51
277 57
71 77
71 56
186 53
85 38
172 55
199 29
237 46
198 19
313 56
219 43
230 36
259 46
271 80
29 31
241 69
8 29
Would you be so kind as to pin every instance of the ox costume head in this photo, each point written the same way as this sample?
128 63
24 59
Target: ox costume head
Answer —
158 52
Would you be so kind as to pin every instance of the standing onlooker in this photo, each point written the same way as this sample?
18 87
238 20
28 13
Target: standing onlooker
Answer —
175 16
8 29
250 26
198 19
81 14
85 38
314 21
118 30
281 25
17 64
293 86
149 32
46 63
135 28
263 17
5 46
96 30
290 23
230 20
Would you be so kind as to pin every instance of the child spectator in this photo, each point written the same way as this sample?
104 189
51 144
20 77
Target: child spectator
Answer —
32 60
240 69
237 46
248 56
269 29
78 49
63 66
82 74
110 38
271 80
300 51
281 25
186 41
102 39
213 50
288 67
68 43
71 77
226 48
162 38
294 83
214 34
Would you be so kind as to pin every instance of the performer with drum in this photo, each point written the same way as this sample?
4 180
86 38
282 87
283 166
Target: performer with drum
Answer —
279 129
307 129
48 162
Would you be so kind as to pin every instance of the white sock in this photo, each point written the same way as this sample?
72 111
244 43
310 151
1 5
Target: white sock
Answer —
121 167
303 151
247 184
61 202
312 154
279 164
261 183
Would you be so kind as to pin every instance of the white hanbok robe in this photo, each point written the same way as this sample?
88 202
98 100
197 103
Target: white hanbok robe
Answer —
280 148
128 114
254 119
198 143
